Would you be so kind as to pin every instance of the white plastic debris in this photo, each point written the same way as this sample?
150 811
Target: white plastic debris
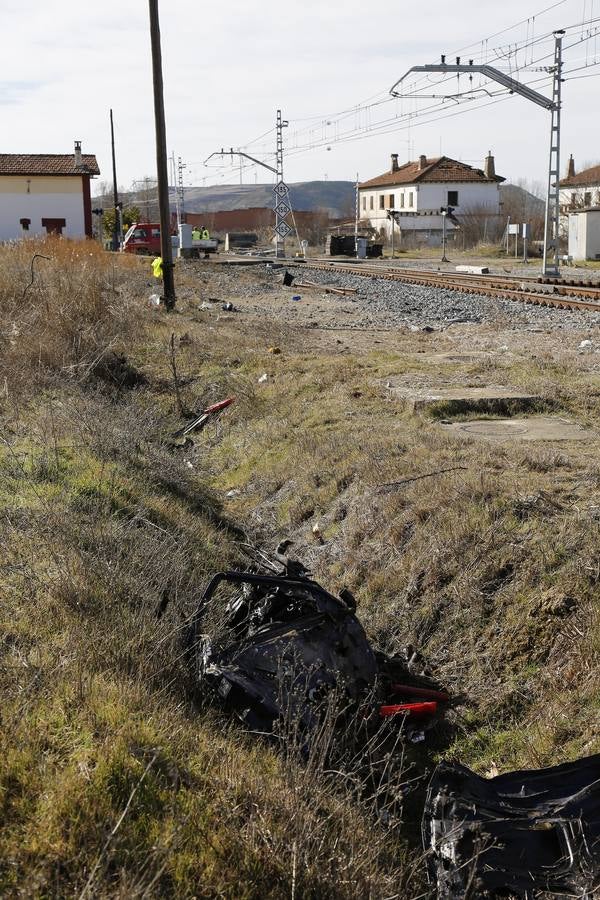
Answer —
264 377
233 493
154 300
586 345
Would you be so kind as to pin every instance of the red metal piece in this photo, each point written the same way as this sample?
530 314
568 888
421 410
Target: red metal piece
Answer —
415 710
220 405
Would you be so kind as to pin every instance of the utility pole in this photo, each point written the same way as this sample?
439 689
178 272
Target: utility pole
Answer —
174 175
356 210
552 221
550 265
180 188
161 160
282 203
283 206
116 238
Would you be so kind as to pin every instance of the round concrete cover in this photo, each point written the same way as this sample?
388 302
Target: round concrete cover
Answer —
494 429
532 428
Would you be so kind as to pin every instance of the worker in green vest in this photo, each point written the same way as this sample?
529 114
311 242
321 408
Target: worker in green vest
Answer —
205 234
196 233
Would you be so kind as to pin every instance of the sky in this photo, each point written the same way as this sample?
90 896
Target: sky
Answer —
228 67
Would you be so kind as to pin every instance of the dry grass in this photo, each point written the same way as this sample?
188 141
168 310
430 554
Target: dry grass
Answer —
114 782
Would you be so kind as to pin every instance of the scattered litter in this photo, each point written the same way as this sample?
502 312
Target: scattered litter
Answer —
296 297
288 278
228 307
317 533
503 349
154 300
205 306
278 645
274 350
189 464
586 345
516 834
201 419
264 377
234 492
328 289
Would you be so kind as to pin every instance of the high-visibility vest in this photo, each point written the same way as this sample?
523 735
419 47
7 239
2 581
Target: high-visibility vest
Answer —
157 267
196 236
205 235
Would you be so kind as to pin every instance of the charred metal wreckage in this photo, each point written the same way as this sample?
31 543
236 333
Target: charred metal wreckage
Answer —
517 834
281 647
285 648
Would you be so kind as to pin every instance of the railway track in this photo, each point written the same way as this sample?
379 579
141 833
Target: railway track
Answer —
563 294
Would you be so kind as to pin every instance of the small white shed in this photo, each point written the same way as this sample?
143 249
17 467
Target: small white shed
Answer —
584 233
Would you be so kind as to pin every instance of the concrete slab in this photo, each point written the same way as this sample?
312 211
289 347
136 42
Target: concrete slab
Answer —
489 398
530 428
473 270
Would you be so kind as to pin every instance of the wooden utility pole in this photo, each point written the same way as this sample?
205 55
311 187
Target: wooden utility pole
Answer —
161 161
116 227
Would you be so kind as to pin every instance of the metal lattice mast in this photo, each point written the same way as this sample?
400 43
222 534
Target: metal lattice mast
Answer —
551 229
180 188
282 203
552 222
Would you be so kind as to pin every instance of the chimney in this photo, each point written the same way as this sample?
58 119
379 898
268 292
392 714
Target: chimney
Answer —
571 168
422 162
489 166
394 162
78 160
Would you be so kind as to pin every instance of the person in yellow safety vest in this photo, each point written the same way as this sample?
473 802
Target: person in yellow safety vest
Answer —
205 234
157 267
196 233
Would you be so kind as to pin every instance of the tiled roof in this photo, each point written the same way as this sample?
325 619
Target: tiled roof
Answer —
582 179
438 170
47 164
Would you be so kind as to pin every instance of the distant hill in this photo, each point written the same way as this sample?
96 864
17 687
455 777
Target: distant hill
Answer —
337 197
516 201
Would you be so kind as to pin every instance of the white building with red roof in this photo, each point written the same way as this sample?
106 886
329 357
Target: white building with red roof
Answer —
46 193
579 190
418 191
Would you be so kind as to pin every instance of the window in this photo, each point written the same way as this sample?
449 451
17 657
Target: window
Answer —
381 201
25 223
587 198
452 198
155 232
392 201
364 199
371 202
402 200
573 198
410 198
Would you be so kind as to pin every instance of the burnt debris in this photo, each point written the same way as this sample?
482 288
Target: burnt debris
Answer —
515 835
280 647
